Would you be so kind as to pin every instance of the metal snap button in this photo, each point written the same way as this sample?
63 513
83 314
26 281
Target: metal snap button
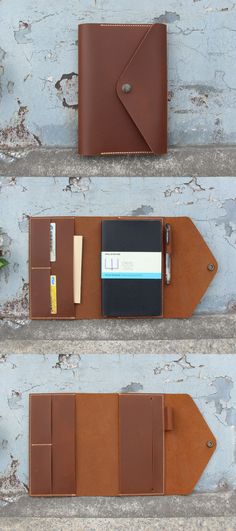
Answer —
210 267
210 444
126 88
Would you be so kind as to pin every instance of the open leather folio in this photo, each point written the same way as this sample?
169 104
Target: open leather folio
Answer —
116 444
95 267
122 89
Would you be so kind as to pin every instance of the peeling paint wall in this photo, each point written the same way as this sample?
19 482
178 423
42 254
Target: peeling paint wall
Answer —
209 379
39 73
211 203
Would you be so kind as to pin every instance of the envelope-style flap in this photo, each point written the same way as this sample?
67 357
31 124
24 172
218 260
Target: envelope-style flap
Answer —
188 447
193 267
142 87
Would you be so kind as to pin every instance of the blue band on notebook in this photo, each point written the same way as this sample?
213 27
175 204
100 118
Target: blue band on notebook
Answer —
133 275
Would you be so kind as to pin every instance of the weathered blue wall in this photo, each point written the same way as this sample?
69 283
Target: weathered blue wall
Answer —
39 73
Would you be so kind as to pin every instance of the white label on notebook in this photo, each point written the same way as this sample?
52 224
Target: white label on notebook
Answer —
52 242
121 264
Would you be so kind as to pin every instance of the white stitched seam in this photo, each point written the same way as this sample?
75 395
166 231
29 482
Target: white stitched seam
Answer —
123 152
125 25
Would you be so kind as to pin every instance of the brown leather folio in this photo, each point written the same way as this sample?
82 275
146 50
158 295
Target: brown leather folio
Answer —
116 444
191 269
122 89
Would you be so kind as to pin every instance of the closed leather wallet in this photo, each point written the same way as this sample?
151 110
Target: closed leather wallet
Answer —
122 89
116 444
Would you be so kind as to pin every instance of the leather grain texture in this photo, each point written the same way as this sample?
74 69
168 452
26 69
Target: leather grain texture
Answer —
97 452
190 276
141 444
111 444
112 121
186 450
52 444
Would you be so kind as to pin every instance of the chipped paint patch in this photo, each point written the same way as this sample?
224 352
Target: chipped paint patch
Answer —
67 89
17 134
143 210
133 387
78 185
10 485
18 306
221 397
67 362
14 401
22 35
169 17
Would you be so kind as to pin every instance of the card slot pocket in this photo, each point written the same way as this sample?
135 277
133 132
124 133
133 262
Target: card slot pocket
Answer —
40 469
63 444
63 267
40 242
40 419
40 293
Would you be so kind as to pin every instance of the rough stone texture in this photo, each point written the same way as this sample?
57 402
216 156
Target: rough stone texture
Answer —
119 524
211 203
209 379
39 73
218 504
187 161
198 327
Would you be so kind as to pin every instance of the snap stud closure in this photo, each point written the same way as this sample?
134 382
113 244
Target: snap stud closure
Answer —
126 88
210 444
210 267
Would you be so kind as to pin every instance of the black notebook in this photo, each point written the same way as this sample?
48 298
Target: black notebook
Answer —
131 268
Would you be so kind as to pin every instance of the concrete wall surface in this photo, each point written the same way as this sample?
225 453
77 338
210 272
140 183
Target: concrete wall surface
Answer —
39 72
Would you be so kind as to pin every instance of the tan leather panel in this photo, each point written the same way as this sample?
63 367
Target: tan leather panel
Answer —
63 444
41 419
97 444
40 306
141 447
63 267
143 72
190 277
40 470
186 451
40 242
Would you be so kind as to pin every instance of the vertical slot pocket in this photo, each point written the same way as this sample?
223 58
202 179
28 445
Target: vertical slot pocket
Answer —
62 268
40 306
63 444
40 242
40 268
40 445
141 446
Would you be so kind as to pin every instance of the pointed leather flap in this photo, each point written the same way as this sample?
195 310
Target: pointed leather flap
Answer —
193 268
188 447
145 76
